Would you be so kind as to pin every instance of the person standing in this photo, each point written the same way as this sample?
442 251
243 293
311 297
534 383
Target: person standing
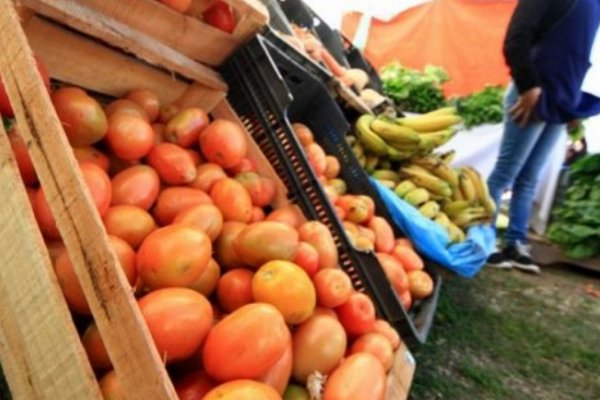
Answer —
548 46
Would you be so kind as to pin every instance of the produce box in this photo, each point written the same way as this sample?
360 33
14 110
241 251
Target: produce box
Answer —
42 355
278 91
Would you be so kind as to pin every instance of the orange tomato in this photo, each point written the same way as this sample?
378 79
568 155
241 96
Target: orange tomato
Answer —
171 201
246 343
175 255
158 129
110 387
332 167
394 272
264 241
135 186
92 155
303 133
196 157
234 289
81 116
384 234
360 376
55 249
126 257
261 190
206 217
129 137
420 284
178 319
184 128
128 107
333 287
146 99
257 215
224 143
408 258
94 347
318 235
98 183
232 199
289 215
286 286
44 217
194 386
207 282
317 158
307 258
225 252
243 389
404 242
319 345
279 374
376 345
206 175
246 165
130 223
406 299
173 164
357 315
384 328
19 148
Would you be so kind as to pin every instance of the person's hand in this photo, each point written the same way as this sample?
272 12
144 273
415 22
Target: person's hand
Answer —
522 111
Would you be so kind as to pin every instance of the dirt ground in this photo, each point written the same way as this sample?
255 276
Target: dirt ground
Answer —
510 335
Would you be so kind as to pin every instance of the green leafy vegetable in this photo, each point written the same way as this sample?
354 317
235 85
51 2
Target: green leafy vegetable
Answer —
8 124
413 90
483 107
576 221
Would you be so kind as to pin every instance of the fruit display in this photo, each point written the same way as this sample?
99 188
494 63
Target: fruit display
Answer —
399 153
241 301
367 231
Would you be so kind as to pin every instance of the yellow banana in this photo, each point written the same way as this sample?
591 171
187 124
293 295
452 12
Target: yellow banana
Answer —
457 235
470 217
443 111
362 160
385 164
368 138
429 209
358 150
430 123
422 178
371 164
481 189
438 168
430 141
417 196
442 219
387 174
404 187
387 183
467 187
453 208
448 156
350 139
392 132
399 155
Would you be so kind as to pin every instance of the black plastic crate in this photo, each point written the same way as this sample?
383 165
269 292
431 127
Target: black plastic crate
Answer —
263 100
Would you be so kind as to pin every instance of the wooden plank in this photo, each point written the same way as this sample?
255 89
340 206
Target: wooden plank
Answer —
73 59
547 253
225 111
401 376
197 95
136 361
252 16
116 34
183 33
40 350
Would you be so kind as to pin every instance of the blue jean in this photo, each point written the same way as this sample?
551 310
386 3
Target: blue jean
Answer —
523 153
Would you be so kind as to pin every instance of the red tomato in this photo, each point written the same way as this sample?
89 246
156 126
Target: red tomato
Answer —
44 217
135 186
360 376
98 184
357 315
224 143
110 387
420 284
319 345
184 129
206 217
5 107
94 347
234 289
92 155
125 107
24 162
307 257
377 345
82 117
243 390
194 386
178 319
175 255
130 223
129 137
174 165
159 129
146 99
220 15
207 282
246 165
384 328
173 200
279 374
206 176
246 343
333 286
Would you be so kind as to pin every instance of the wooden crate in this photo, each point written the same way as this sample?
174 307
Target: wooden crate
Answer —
40 350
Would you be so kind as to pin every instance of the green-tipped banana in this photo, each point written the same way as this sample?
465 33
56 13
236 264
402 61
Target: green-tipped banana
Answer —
392 132
430 141
481 189
387 183
443 111
368 138
399 155
430 123
448 156
456 234
470 217
423 178
358 150
387 174
442 219
429 209
438 168
404 187
467 188
372 163
417 196
362 160
385 164
454 208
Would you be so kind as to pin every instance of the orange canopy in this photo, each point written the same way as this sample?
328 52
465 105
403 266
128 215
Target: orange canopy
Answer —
463 36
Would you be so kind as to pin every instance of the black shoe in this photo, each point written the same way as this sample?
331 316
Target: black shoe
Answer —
520 257
499 260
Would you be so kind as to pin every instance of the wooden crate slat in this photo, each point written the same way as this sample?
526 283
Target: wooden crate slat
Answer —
40 349
401 375
185 34
197 95
130 347
117 34
252 17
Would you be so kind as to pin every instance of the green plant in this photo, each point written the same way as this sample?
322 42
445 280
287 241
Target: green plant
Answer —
413 90
482 107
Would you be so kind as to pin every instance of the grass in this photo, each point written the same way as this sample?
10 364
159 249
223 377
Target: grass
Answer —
506 335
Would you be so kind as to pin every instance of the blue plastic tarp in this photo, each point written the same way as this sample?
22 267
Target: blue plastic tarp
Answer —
432 241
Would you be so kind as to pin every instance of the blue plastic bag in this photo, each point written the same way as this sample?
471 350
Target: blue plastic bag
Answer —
431 240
